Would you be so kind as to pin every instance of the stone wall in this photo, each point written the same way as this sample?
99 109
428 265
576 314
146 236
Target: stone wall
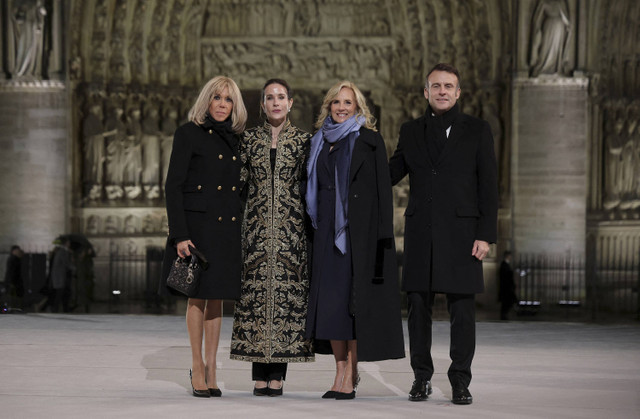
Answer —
34 139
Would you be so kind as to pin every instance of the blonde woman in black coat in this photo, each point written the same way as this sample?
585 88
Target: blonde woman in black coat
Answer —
204 211
354 299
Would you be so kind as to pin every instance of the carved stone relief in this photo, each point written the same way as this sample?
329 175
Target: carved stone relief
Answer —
126 152
615 94
621 136
137 67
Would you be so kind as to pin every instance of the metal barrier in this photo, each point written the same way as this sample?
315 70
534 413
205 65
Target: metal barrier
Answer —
613 264
604 284
135 279
547 282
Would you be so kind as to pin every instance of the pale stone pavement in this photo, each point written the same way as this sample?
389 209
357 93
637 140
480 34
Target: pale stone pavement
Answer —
136 366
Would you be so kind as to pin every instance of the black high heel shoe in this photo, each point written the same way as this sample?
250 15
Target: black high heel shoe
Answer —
345 396
264 391
275 392
348 396
197 393
330 394
213 392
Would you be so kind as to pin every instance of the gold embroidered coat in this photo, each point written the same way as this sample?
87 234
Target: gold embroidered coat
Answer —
270 317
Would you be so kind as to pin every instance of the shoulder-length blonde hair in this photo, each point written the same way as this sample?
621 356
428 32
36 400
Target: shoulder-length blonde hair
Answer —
361 104
213 87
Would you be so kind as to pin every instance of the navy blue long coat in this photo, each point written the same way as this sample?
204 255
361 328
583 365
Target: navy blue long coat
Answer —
376 292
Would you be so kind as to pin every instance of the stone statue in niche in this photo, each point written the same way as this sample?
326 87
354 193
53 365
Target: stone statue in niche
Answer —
550 33
149 224
151 150
115 141
111 225
132 153
27 20
614 143
93 225
131 224
168 128
93 139
629 159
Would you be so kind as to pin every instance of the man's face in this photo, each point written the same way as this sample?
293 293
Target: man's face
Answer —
442 91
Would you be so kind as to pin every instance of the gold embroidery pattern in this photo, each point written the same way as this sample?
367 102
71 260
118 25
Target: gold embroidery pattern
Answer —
270 317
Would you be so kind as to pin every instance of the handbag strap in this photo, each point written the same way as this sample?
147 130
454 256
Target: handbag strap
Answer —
203 260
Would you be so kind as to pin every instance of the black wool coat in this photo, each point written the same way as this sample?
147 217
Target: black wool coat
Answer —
376 292
453 201
203 204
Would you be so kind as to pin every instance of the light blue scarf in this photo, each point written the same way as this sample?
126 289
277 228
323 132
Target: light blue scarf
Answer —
332 133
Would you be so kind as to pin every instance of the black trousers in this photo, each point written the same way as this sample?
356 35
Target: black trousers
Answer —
267 372
462 315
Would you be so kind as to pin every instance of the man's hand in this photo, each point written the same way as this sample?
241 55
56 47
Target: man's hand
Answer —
480 249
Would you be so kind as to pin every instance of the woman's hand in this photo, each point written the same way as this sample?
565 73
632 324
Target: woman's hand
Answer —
183 248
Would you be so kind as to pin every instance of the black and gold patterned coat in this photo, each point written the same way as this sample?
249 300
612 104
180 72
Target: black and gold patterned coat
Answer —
269 319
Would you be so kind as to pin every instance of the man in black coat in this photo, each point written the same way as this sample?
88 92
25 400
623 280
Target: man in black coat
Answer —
450 220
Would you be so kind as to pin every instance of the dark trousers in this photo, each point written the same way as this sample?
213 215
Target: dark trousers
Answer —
462 315
267 372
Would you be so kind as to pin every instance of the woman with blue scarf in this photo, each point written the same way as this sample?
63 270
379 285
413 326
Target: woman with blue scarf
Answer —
354 300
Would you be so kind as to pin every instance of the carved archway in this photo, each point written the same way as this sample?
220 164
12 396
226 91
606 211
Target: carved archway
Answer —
150 57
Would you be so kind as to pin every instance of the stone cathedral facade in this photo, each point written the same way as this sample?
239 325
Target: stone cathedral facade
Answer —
91 92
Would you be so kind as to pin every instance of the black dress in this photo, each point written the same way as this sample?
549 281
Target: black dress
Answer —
328 315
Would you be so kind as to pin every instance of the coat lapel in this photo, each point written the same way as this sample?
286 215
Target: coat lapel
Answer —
363 143
421 139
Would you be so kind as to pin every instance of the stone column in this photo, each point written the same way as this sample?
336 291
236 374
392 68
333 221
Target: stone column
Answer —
549 164
34 180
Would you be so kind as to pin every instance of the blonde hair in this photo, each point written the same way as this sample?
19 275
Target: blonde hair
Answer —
361 104
213 87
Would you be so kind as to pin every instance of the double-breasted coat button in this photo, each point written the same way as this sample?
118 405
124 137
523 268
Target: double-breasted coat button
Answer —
199 187
220 219
219 187
210 131
220 156
355 195
233 188
233 218
434 172
234 158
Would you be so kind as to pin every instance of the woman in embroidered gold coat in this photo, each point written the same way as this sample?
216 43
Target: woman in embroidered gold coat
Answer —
269 319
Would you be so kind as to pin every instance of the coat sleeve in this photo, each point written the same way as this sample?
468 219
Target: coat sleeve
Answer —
243 150
385 208
385 196
487 188
397 165
176 177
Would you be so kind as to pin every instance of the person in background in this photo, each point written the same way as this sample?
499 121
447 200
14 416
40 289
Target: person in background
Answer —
507 286
13 285
62 271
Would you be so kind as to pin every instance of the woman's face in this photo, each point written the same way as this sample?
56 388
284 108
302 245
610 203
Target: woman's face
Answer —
221 106
276 104
343 106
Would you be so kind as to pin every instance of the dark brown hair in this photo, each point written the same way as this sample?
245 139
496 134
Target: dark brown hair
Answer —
443 67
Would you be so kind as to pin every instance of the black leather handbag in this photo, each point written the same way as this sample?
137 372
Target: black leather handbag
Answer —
185 273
